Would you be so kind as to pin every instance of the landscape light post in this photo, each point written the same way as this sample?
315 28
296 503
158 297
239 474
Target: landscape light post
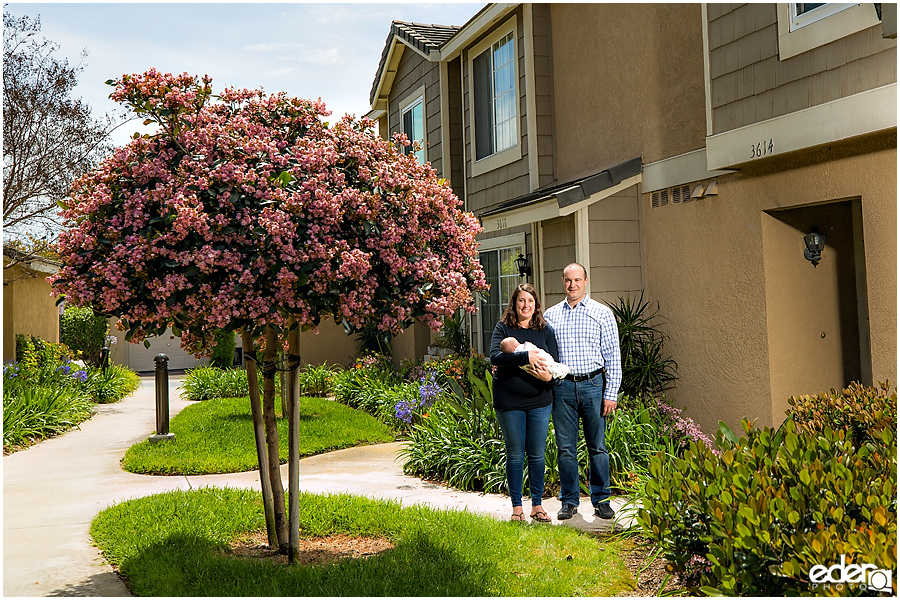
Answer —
162 400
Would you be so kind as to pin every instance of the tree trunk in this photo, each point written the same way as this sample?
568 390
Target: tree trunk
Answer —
269 370
265 482
293 395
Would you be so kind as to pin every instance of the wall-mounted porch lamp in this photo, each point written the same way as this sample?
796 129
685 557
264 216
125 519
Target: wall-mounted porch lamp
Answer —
815 243
523 266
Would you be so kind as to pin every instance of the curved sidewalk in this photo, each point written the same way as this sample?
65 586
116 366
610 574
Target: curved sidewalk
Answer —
53 490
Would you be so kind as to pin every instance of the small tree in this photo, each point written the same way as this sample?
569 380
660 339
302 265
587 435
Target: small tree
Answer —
84 332
252 214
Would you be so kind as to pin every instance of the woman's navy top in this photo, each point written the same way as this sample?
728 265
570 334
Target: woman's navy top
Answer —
514 389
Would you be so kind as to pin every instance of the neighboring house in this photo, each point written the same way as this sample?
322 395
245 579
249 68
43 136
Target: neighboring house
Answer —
682 150
28 306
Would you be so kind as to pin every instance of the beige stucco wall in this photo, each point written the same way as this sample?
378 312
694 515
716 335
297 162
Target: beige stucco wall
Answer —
707 268
28 308
638 92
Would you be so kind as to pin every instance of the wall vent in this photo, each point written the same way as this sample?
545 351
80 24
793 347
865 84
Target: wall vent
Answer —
660 198
677 195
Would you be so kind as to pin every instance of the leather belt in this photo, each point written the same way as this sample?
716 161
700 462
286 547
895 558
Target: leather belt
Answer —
590 375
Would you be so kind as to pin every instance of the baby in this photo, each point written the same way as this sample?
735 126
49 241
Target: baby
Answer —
511 344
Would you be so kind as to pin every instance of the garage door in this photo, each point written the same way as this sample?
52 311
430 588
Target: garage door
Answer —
141 358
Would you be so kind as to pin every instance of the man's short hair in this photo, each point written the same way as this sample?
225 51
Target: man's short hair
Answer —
575 264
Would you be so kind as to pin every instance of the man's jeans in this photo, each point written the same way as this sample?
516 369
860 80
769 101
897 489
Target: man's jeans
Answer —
572 400
525 432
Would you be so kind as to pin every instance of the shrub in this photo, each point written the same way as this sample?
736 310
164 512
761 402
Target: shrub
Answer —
451 449
455 334
109 385
205 383
861 411
646 369
316 380
222 355
34 354
36 413
756 517
84 332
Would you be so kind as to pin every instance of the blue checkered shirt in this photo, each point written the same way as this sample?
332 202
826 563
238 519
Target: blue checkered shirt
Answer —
588 339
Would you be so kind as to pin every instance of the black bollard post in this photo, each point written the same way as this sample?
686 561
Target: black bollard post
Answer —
104 358
162 400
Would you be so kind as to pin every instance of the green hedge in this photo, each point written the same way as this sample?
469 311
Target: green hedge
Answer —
755 516
84 332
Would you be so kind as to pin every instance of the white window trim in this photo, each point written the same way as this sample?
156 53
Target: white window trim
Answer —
516 240
418 95
826 28
816 14
513 153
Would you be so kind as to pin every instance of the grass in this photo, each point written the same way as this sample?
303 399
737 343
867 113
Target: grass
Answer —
175 544
216 436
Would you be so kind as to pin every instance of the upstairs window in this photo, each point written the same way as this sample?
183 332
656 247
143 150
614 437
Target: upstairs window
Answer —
494 89
805 13
412 122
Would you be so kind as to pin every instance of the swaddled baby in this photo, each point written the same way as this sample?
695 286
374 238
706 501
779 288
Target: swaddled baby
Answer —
511 344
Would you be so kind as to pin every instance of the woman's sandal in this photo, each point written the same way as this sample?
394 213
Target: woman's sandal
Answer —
541 517
518 517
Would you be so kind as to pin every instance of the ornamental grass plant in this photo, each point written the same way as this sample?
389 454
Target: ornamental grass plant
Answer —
177 543
45 393
216 436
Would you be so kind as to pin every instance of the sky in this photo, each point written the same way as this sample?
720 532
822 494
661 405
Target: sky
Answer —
309 50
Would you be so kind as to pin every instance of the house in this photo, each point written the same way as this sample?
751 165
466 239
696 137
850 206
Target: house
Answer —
683 151
28 306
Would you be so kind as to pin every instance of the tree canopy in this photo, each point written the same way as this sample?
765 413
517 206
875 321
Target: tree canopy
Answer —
251 211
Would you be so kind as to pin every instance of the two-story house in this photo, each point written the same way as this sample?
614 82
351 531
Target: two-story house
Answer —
682 150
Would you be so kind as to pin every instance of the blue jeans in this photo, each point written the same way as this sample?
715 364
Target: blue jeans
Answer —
583 400
525 432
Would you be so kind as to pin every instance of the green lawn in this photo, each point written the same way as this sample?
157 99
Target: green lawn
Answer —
216 436
175 544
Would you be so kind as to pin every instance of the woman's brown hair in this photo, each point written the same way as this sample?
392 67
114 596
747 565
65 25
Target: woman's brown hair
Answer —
511 319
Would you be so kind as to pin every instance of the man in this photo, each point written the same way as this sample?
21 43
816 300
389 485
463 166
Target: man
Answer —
588 341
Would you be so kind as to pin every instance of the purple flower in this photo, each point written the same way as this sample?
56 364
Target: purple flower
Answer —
80 375
64 368
403 411
429 391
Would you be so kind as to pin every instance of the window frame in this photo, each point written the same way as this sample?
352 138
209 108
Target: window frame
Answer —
820 26
514 152
407 104
516 244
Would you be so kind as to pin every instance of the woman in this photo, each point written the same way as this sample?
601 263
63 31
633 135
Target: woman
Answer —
523 399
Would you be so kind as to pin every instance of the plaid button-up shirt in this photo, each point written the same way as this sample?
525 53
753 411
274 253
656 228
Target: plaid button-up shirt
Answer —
588 339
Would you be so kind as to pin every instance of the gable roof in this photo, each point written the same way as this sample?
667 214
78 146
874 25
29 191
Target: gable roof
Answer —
424 38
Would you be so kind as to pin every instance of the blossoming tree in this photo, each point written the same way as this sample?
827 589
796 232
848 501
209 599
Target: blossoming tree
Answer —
246 212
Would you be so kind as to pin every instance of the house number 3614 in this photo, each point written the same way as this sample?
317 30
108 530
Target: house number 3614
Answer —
763 148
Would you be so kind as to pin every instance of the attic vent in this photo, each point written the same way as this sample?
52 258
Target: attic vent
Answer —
660 198
681 193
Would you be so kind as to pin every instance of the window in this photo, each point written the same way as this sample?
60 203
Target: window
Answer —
501 273
803 27
493 98
494 81
803 14
412 122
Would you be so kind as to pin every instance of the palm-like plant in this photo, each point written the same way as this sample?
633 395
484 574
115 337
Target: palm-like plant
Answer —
645 367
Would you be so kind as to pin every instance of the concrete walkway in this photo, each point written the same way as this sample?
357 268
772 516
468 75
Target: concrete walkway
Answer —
53 490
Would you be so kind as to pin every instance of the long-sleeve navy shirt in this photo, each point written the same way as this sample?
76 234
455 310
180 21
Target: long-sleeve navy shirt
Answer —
514 389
